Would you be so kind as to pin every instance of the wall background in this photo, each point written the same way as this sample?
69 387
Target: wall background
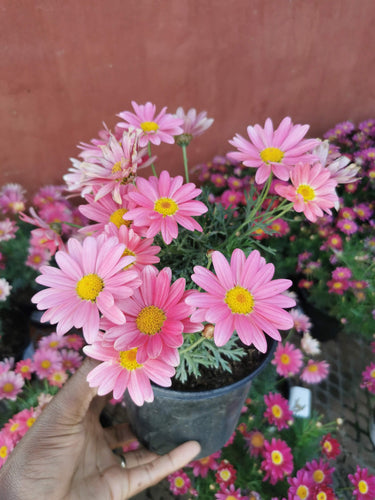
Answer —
67 66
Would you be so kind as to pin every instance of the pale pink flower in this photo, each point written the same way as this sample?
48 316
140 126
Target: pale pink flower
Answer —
154 318
310 345
46 361
155 129
12 198
273 151
6 365
57 378
242 297
50 238
194 124
278 460
312 191
302 322
91 148
26 419
11 385
52 341
90 280
142 249
48 194
340 167
120 371
6 446
8 229
315 371
287 359
5 289
38 257
163 204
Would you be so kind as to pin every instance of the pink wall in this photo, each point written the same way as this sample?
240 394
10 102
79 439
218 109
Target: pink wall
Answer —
67 66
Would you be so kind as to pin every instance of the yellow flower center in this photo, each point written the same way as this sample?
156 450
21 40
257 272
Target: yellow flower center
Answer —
276 457
148 127
372 373
8 387
231 497
312 368
179 482
239 300
327 445
89 287
307 192
125 254
318 476
3 451
30 421
277 411
117 219
225 474
14 427
274 155
204 460
116 167
150 320
257 440
54 343
165 206
302 492
363 486
128 359
321 496
285 359
46 363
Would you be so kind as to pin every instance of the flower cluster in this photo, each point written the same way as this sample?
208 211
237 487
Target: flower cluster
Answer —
26 386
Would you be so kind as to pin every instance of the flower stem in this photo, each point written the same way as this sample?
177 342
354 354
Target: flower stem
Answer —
184 155
192 346
152 164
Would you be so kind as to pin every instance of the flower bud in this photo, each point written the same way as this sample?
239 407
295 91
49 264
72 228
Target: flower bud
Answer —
208 331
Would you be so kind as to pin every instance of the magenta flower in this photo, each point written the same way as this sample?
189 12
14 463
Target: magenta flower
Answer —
364 484
46 361
11 385
320 470
90 280
255 442
347 226
312 191
155 129
278 460
300 486
368 378
179 482
229 493
287 359
273 151
6 446
226 474
120 371
163 203
154 318
315 371
277 412
24 368
202 466
242 296
341 273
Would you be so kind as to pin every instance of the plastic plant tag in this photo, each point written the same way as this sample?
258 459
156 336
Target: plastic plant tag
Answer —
300 401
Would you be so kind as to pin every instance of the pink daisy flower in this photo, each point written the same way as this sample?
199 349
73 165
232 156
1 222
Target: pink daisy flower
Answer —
218 180
12 198
346 213
74 341
330 446
5 289
312 191
26 419
163 203
273 151
202 466
242 296
324 492
46 361
6 446
287 359
193 124
120 371
142 249
6 365
341 273
53 341
321 472
347 226
334 241
89 280
229 493
11 385
48 194
8 229
315 371
24 368
300 486
38 257
12 429
363 211
179 483
45 235
155 129
337 286
255 442
364 484
57 378
278 460
368 378
70 360
154 318
277 412
225 474
302 323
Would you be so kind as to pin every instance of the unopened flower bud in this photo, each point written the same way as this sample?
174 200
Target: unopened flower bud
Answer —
183 139
339 421
209 253
208 331
319 425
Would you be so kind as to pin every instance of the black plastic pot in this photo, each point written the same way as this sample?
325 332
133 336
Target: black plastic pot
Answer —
209 417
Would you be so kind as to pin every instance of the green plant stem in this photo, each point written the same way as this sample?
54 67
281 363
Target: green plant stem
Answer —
152 164
192 346
262 197
184 156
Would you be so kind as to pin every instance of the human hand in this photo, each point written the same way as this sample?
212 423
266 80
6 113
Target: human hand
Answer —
67 454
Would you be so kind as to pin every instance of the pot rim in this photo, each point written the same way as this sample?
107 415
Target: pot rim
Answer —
168 393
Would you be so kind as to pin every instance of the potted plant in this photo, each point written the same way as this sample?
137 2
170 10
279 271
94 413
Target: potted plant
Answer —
170 289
